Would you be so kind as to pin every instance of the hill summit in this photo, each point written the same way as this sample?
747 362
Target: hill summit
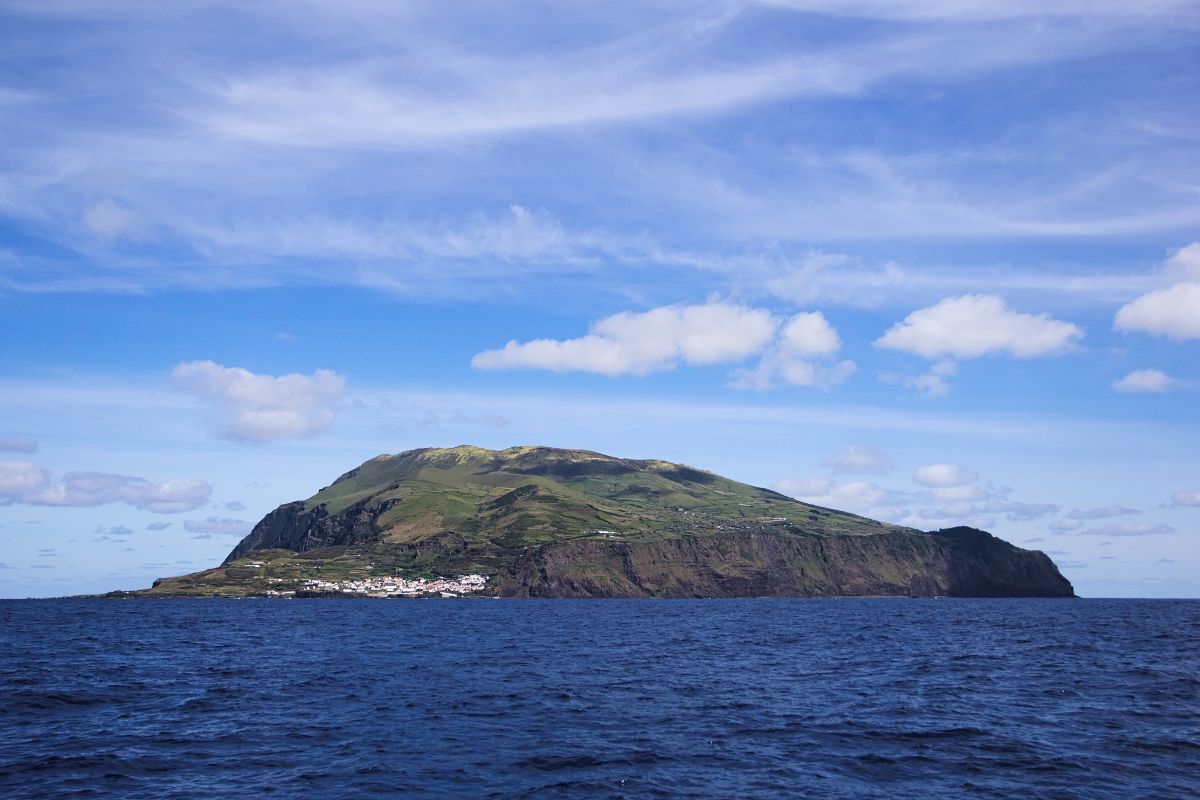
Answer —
548 522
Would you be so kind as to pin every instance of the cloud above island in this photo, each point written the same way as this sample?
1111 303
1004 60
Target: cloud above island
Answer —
1145 381
662 339
1172 312
979 325
246 407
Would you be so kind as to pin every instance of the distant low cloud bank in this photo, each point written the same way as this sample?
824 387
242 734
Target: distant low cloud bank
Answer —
17 444
30 483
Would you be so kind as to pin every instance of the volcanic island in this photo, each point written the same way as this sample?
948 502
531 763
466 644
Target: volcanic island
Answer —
555 523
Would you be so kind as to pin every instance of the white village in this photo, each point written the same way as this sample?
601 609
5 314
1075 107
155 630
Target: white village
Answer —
386 586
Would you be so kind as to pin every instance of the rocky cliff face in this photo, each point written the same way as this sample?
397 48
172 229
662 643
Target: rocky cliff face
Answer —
961 562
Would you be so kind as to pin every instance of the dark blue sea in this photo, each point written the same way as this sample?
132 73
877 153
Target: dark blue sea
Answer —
593 699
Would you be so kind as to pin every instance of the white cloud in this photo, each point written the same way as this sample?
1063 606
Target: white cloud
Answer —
803 338
859 497
1173 312
262 408
775 367
17 444
223 526
158 526
952 497
809 335
641 343
931 383
1186 499
26 482
1129 529
943 475
859 458
978 325
1101 513
1143 381
20 478
1184 264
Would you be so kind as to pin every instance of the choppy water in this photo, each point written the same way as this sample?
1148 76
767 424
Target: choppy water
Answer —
706 699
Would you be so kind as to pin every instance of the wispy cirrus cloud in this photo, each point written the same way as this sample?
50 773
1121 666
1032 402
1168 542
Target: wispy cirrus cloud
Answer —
416 132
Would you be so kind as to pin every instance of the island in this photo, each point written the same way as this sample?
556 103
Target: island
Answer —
556 523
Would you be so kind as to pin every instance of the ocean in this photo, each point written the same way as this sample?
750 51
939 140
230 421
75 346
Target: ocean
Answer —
755 698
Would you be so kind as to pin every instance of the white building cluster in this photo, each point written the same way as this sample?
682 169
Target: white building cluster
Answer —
391 586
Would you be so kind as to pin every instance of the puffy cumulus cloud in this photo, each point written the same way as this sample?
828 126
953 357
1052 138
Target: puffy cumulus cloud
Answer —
1184 264
262 408
641 343
944 475
1100 513
859 459
978 325
1191 499
1145 381
17 444
223 526
809 335
27 482
1129 529
790 359
1173 312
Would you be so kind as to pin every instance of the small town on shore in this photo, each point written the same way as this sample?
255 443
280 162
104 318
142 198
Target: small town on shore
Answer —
386 586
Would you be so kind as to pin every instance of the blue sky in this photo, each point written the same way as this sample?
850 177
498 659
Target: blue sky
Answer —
936 263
